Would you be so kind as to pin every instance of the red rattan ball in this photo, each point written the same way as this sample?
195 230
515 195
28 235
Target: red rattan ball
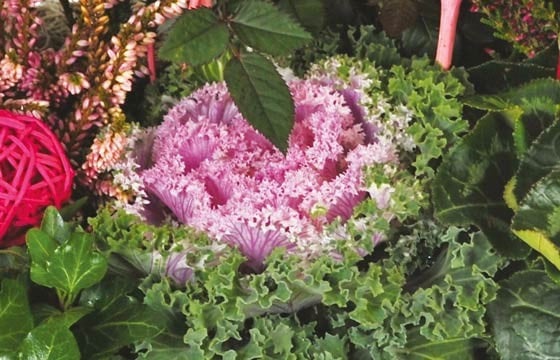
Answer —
34 173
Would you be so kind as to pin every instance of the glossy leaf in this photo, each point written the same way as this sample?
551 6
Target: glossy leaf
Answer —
524 317
50 341
261 96
262 26
53 225
196 38
15 316
542 157
76 266
41 247
122 322
538 220
470 182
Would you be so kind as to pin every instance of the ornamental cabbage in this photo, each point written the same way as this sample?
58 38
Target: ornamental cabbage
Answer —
217 174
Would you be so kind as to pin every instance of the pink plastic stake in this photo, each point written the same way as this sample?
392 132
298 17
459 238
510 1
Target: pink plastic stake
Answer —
447 28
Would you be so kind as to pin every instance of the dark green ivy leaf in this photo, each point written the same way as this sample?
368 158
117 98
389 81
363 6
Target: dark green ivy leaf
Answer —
15 316
53 225
470 182
262 96
196 38
262 26
118 319
73 266
50 341
524 317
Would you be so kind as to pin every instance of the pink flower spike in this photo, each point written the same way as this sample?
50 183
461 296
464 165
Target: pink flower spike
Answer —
193 4
447 31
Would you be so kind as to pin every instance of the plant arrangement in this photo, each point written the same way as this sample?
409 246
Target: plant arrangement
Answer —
257 179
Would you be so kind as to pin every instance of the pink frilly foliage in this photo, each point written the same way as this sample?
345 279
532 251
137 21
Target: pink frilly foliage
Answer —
216 173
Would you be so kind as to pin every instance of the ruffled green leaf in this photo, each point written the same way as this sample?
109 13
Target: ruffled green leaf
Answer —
525 316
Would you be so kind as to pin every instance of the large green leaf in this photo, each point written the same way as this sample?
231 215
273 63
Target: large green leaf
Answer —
118 319
196 38
310 13
73 266
470 182
123 321
15 316
498 75
50 341
262 96
542 157
521 95
537 221
262 26
525 317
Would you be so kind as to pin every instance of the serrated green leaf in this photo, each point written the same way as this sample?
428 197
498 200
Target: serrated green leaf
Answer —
15 315
525 317
53 225
262 26
310 13
196 38
469 184
75 265
498 75
262 96
50 341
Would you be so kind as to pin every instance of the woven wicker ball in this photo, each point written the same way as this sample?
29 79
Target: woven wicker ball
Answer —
34 173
